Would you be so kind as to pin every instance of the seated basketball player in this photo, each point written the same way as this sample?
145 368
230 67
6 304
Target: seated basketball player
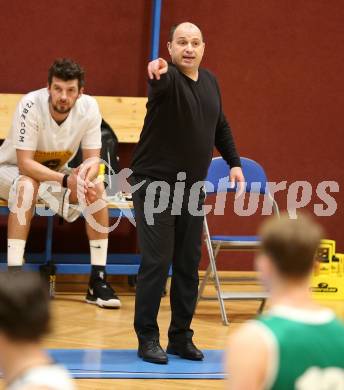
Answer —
24 319
48 126
297 344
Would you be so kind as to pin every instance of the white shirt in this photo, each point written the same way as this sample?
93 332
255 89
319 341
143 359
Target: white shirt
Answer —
52 376
33 128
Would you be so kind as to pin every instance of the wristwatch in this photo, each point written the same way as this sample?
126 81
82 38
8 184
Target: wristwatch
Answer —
65 181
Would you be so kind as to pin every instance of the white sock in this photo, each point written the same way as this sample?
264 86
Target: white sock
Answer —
15 252
98 249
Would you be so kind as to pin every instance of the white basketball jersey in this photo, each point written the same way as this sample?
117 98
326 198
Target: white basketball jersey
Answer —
52 377
33 128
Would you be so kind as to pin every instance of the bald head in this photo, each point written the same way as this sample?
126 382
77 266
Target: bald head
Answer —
186 48
187 27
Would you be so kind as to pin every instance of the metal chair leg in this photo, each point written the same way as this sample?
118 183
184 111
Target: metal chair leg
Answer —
206 275
216 276
203 284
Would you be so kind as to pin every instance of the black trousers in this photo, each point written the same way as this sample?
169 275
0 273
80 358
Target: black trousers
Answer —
171 239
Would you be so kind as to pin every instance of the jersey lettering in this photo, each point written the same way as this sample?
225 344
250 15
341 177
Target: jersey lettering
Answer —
54 160
25 111
316 378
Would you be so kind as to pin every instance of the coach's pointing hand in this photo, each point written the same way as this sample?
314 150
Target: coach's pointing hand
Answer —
156 68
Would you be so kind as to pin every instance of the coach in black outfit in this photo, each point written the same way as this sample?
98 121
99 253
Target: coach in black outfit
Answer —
184 122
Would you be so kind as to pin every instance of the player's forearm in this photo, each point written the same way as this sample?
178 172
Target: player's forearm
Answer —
39 172
92 173
91 160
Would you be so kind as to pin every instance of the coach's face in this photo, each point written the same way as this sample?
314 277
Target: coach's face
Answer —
187 47
63 94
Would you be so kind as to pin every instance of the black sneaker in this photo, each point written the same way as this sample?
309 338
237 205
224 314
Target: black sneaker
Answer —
101 293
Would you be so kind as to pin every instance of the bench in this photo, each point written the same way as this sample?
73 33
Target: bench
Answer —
71 263
125 115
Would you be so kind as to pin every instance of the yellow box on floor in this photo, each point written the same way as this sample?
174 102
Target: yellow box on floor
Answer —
328 278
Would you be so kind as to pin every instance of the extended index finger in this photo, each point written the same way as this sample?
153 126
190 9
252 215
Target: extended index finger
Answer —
149 70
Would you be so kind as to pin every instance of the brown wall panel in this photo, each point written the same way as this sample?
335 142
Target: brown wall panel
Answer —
110 38
279 64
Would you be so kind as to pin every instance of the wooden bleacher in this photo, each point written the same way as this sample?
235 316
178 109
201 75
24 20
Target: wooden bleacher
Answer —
124 114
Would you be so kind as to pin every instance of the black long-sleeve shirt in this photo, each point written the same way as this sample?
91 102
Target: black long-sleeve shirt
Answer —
184 121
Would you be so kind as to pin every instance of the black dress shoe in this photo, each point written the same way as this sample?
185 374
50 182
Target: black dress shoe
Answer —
151 351
186 350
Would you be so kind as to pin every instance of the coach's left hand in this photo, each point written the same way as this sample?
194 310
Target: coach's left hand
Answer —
236 176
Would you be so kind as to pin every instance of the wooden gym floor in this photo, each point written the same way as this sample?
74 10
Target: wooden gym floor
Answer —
80 325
